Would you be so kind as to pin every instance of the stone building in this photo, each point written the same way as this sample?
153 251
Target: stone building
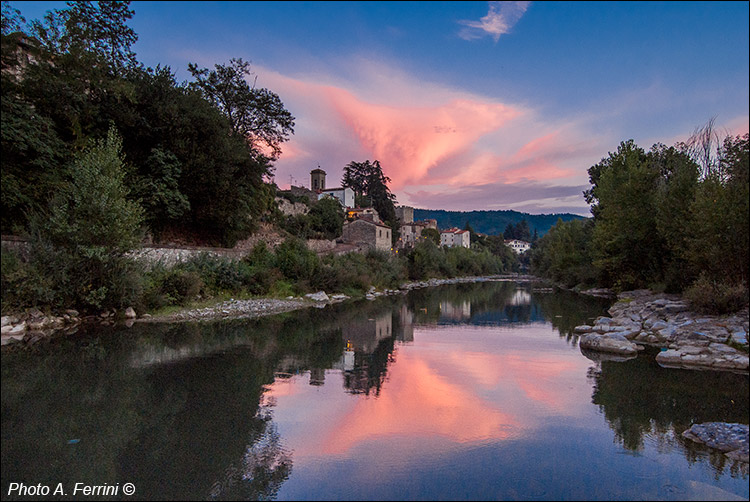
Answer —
411 233
363 213
367 234
317 179
405 214
454 237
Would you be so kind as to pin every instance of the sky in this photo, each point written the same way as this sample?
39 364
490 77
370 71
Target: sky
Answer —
468 105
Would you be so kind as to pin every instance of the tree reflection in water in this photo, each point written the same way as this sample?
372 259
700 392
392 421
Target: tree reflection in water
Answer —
642 401
179 409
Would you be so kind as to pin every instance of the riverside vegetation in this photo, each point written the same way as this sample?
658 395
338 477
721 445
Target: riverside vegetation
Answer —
673 219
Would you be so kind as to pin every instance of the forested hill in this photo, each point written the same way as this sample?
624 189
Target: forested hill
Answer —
492 222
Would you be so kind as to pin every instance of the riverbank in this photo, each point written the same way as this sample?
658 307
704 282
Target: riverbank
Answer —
687 339
30 327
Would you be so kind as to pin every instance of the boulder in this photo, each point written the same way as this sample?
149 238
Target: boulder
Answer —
130 313
730 438
320 296
614 343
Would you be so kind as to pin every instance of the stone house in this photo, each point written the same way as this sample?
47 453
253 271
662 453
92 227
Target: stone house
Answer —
405 214
411 233
368 234
453 237
363 213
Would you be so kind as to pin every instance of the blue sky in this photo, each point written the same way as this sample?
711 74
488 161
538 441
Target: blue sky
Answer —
469 105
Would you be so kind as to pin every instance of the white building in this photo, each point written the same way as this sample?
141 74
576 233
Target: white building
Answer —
518 246
344 195
454 237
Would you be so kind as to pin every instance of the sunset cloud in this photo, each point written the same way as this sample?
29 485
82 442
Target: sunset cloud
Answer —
441 147
498 21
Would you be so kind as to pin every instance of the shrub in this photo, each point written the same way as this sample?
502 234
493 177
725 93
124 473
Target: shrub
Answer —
295 261
713 297
181 286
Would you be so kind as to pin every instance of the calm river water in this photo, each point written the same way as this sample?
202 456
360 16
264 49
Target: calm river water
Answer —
475 391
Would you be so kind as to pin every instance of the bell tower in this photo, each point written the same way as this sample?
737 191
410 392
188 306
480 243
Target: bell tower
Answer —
317 179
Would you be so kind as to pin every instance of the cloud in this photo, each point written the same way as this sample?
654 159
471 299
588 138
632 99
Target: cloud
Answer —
442 147
498 21
540 196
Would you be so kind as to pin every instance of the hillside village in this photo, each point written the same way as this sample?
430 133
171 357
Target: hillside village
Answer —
363 228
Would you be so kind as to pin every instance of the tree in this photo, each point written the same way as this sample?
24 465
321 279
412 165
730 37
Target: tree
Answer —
327 217
370 184
431 234
627 247
80 244
720 237
99 30
258 115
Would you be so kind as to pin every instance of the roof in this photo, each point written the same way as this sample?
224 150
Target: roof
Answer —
368 222
453 231
334 189
317 171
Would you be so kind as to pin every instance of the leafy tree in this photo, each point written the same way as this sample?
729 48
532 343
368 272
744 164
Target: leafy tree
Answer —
563 254
627 247
370 186
258 115
12 20
719 241
432 235
80 244
327 217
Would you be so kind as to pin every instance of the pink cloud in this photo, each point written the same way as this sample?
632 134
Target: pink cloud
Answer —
429 139
410 141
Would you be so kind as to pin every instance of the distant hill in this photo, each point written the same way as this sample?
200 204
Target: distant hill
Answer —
492 222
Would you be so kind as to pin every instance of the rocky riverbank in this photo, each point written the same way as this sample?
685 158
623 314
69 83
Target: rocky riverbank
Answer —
33 326
687 339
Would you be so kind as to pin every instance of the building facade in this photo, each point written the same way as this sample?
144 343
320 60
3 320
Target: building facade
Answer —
454 237
367 233
518 246
344 195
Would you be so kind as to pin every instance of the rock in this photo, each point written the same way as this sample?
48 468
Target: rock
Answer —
614 343
730 438
605 356
669 357
7 320
584 328
130 313
72 313
320 296
15 330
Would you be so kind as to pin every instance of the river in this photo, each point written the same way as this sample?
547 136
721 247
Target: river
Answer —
463 392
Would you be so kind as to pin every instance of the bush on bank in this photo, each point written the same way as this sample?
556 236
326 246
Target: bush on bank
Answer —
292 269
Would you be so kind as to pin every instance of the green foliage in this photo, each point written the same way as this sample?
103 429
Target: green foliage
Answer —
492 222
295 261
327 218
518 231
564 254
78 249
258 115
369 182
661 219
716 297
432 235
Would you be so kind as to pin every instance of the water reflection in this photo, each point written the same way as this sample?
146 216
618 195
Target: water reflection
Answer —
644 402
255 409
